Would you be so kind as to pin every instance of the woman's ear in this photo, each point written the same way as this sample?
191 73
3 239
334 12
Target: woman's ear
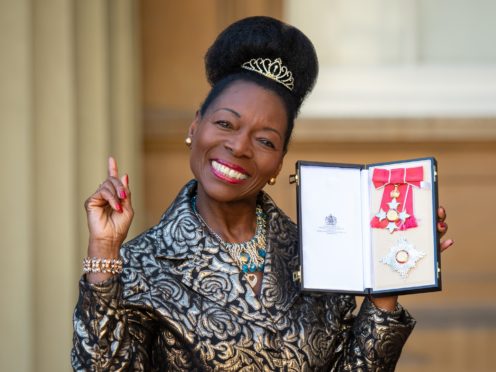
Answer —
194 124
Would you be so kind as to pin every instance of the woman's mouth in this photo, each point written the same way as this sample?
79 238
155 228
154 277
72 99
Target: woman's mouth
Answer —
228 173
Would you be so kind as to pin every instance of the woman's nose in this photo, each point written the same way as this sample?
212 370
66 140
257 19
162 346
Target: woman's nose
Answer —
240 145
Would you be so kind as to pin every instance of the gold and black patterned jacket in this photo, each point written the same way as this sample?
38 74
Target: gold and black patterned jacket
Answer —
182 304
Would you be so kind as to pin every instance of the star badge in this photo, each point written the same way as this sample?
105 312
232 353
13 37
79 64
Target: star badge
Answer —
402 257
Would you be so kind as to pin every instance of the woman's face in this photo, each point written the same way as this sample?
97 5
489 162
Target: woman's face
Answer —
238 144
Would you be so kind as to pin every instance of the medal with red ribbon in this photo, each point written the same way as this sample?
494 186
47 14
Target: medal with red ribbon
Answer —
396 211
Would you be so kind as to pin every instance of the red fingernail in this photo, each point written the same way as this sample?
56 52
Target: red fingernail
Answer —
119 208
442 224
122 194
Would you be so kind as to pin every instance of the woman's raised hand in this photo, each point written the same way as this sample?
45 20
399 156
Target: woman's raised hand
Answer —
109 214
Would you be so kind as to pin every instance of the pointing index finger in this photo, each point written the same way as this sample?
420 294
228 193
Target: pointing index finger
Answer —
112 167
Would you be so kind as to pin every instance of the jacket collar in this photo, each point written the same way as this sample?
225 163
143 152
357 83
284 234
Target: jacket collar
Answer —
205 267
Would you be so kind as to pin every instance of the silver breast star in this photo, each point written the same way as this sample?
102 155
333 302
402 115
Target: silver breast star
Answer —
402 268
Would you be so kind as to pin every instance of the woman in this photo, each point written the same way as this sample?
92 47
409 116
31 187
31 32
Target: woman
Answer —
191 297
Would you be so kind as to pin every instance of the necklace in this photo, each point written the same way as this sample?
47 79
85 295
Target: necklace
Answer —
248 255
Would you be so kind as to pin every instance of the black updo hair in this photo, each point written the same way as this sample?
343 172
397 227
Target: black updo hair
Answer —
262 37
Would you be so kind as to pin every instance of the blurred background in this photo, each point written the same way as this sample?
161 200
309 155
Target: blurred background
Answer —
82 79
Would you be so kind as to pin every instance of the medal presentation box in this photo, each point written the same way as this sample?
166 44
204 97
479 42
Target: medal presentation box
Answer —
368 229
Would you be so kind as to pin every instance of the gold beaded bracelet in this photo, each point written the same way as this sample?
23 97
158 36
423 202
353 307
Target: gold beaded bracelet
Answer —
102 265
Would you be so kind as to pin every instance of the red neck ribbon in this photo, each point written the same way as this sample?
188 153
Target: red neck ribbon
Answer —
404 178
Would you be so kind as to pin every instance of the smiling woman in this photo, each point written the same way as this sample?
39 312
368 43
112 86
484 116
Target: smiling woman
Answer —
210 286
237 146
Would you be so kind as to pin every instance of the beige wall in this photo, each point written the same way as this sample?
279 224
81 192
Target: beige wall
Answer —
68 99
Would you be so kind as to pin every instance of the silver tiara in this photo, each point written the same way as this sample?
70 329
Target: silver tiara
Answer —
274 70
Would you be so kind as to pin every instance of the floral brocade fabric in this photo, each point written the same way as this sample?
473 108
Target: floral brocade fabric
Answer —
182 304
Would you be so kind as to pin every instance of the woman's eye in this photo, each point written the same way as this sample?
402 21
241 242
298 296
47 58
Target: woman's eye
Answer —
267 143
223 124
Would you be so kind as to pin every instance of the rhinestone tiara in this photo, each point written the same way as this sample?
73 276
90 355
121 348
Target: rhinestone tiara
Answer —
272 69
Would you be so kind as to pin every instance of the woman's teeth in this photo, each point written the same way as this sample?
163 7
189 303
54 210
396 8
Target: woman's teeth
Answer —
228 172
